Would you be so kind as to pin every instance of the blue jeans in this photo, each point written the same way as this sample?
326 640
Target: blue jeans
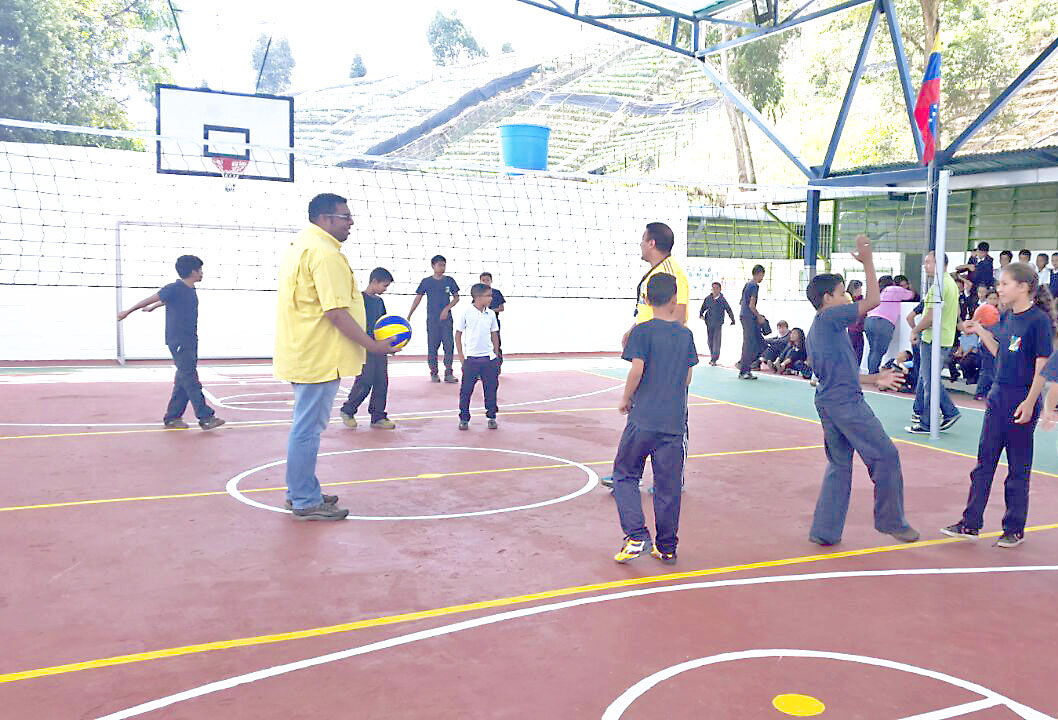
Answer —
848 427
987 372
667 454
922 392
879 333
186 385
312 412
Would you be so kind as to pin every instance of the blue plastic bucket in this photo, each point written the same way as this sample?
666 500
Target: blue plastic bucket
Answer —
524 146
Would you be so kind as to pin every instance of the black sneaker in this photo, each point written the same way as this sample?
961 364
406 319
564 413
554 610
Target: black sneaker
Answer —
916 419
210 423
327 500
820 541
908 535
464 424
949 421
493 424
176 424
917 429
606 481
322 511
960 530
434 377
1010 539
746 376
667 558
450 378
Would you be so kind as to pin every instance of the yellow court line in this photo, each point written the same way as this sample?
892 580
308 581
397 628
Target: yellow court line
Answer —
424 476
468 607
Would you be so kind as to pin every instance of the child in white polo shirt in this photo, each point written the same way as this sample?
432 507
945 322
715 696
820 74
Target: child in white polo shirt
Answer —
478 333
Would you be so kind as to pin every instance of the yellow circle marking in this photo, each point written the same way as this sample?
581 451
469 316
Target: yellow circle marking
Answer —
798 705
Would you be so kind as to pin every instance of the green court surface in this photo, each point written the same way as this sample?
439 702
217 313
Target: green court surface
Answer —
792 396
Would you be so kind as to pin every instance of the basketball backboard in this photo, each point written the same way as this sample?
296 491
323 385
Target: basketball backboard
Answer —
207 132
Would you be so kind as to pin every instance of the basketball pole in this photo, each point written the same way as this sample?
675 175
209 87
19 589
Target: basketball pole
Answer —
939 272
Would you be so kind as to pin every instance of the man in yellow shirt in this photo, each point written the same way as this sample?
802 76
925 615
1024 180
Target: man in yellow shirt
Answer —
320 338
655 247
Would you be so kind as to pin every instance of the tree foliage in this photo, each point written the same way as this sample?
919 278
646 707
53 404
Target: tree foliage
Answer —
983 46
278 66
357 69
507 48
78 62
450 41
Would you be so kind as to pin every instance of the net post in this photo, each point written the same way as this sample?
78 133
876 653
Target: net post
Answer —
940 229
119 328
811 237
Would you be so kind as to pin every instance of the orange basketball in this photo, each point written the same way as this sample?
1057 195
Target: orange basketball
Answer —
987 315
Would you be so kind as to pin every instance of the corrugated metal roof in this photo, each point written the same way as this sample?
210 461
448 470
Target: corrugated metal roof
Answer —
1029 159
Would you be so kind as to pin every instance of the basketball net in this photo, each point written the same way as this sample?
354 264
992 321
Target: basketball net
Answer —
230 170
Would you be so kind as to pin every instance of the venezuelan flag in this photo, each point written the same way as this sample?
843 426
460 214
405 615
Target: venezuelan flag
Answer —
927 107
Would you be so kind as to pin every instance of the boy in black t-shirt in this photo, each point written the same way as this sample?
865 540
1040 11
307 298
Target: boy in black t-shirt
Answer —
662 354
496 306
374 378
181 335
442 293
849 425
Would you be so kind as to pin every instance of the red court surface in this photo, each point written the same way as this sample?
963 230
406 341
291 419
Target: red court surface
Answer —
477 580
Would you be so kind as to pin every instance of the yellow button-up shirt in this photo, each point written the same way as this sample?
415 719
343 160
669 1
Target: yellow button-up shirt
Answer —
668 266
315 277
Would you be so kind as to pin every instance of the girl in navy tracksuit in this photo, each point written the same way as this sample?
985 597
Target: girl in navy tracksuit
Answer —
1021 343
794 358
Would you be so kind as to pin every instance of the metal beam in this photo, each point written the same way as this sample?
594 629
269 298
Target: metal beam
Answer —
750 37
905 73
873 179
854 82
997 104
559 10
798 11
746 107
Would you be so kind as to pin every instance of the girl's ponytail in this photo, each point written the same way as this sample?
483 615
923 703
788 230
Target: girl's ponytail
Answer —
1045 301
1041 295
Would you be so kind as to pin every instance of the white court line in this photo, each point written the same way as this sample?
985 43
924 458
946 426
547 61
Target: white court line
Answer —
232 486
991 698
220 402
958 710
409 638
212 399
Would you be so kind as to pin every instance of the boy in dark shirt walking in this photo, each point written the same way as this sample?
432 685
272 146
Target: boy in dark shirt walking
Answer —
662 354
374 378
848 422
181 335
713 308
442 293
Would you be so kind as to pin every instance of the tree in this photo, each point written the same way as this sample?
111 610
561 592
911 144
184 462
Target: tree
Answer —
77 61
450 41
983 45
357 70
507 48
275 78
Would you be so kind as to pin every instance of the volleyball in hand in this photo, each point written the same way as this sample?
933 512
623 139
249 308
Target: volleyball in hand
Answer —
987 315
393 329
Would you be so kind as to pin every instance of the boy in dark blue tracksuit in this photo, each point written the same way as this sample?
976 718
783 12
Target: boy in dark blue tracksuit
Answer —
849 425
662 353
373 379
